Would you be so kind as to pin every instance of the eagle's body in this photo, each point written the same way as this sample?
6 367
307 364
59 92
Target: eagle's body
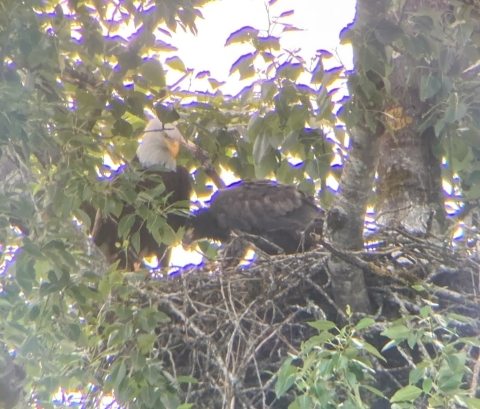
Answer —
158 147
277 214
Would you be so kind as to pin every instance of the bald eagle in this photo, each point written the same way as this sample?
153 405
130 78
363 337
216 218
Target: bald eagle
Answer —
275 217
159 148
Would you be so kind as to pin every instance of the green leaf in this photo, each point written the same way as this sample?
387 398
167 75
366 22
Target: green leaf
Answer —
153 72
135 241
364 323
472 403
122 127
260 148
322 325
83 218
332 75
24 274
268 90
266 43
290 71
117 108
166 114
86 99
429 86
145 342
242 35
370 348
152 375
163 46
129 60
408 393
281 107
139 361
415 375
215 84
285 378
456 109
30 248
255 126
286 14
113 206
386 32
176 63
298 117
73 331
244 65
31 345
51 383
304 402
170 400
427 385
469 340
135 104
149 396
425 311
125 224
127 390
318 72
460 154
412 339
396 332
373 390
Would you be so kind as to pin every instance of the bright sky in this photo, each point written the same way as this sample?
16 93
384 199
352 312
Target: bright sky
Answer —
321 21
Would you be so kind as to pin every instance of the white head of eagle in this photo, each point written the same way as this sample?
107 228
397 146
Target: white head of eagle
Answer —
160 145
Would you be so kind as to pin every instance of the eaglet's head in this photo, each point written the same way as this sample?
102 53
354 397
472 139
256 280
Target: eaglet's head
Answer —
202 224
160 145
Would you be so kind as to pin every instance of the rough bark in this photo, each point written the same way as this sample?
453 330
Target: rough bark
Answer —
410 184
346 216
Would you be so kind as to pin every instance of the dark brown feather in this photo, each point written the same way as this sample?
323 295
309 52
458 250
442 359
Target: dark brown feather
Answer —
280 214
177 186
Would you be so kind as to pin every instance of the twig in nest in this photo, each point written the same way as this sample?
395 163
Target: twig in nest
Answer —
354 260
256 241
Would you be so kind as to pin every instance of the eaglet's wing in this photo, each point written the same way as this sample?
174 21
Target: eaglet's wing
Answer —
263 206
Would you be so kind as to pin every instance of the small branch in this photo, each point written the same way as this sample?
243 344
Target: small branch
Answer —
97 224
207 165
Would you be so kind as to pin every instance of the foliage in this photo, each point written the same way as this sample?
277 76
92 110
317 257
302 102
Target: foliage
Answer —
74 90
338 367
65 103
441 377
331 369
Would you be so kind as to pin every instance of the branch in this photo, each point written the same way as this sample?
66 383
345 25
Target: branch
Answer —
97 223
207 165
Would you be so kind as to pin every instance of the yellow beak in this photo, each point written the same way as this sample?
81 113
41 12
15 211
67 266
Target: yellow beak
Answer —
173 147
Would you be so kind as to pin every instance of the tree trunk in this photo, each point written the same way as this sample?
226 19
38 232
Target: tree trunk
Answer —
409 171
346 216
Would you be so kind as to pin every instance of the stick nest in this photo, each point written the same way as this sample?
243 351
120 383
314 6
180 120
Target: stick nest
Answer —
232 329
